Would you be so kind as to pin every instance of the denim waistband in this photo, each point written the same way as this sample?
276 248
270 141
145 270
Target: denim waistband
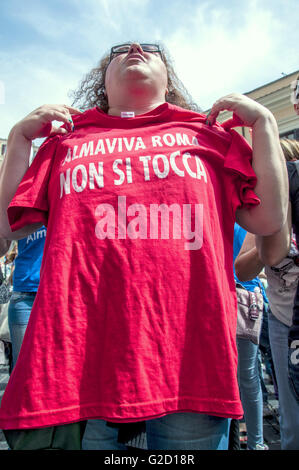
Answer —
23 293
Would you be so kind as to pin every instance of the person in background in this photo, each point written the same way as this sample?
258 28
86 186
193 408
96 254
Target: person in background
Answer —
5 341
265 355
8 252
248 366
295 95
293 340
25 283
4 246
282 278
120 332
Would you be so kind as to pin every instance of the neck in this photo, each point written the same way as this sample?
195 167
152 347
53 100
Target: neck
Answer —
116 110
136 98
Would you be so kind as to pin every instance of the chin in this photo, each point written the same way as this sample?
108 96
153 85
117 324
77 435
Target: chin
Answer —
136 71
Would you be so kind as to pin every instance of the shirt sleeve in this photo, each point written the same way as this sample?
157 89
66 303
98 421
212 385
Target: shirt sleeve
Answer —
238 162
30 202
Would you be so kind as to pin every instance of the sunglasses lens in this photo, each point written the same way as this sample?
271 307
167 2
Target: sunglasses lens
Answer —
150 47
121 49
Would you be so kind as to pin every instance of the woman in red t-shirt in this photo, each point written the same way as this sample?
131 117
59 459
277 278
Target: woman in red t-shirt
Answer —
161 304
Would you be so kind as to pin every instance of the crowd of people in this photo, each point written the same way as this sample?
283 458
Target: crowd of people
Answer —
135 222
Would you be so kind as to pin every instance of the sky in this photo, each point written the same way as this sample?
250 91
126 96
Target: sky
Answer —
217 46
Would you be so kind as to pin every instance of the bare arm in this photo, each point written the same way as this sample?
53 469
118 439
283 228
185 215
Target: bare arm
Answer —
248 264
274 248
4 246
16 162
268 163
272 180
12 171
257 251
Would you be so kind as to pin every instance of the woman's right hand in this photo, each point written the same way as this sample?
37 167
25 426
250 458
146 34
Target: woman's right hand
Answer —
39 123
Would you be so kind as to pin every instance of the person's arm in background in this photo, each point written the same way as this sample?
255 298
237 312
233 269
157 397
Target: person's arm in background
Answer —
248 264
4 246
257 251
268 162
274 248
16 161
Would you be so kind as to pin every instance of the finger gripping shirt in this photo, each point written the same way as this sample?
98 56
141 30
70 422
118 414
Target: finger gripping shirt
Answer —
135 316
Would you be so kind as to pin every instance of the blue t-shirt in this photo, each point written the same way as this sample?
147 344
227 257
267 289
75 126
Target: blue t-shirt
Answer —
28 262
239 236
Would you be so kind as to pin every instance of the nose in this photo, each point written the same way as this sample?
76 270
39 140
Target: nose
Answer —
135 47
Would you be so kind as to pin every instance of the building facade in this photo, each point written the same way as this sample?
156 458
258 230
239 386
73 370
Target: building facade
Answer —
276 96
3 146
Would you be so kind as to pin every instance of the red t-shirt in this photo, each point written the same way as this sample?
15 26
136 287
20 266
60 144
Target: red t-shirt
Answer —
135 315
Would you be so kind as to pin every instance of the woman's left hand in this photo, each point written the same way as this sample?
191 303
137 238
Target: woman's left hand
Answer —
246 112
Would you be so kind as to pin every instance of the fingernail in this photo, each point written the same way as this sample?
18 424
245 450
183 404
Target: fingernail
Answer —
72 125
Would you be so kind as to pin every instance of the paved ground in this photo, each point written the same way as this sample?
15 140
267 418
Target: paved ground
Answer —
271 420
271 423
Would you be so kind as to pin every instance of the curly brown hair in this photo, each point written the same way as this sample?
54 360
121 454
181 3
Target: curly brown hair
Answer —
91 91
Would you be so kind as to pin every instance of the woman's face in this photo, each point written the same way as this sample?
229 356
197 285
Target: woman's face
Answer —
135 66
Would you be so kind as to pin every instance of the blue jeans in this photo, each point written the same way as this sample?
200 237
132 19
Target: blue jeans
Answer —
176 431
250 391
19 310
288 406
265 354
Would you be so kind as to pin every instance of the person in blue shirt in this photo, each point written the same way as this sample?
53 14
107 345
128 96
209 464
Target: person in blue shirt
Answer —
264 342
248 365
26 277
